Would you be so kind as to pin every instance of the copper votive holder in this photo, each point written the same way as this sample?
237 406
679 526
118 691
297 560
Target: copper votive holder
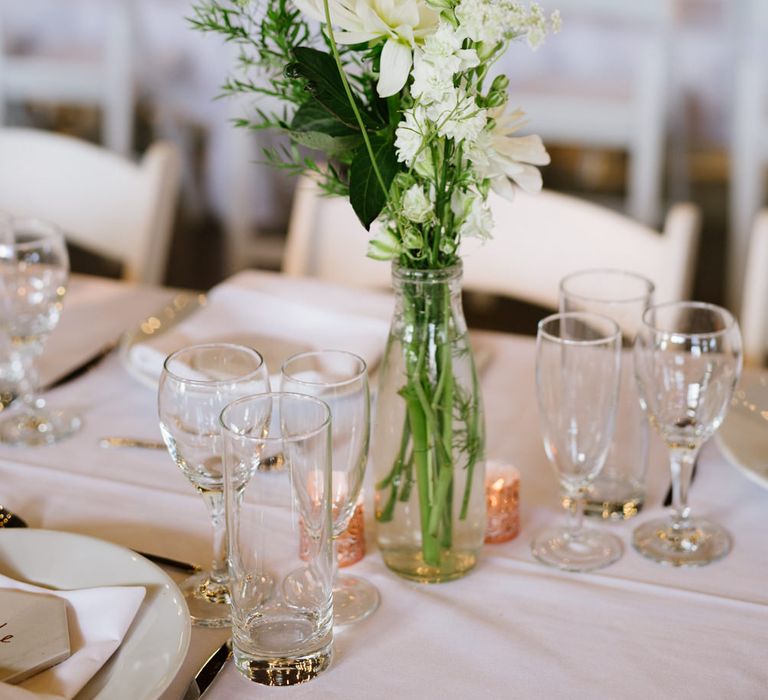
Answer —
350 544
502 494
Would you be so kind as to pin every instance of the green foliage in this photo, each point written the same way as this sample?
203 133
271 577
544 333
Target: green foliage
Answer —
365 190
324 82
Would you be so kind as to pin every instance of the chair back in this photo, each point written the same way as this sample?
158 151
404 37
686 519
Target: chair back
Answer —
74 72
103 202
754 305
538 240
603 83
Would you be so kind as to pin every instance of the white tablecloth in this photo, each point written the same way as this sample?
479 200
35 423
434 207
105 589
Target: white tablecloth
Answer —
512 628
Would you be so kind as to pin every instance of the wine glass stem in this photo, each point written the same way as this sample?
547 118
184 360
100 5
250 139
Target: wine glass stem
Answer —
681 463
215 502
576 513
335 562
28 383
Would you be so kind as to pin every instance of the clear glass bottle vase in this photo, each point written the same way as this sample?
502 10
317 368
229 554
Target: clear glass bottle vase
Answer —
429 433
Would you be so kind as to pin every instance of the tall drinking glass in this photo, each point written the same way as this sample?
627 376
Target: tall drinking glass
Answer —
34 270
196 383
618 492
341 380
687 362
578 360
278 484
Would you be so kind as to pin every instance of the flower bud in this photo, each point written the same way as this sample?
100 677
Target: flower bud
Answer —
495 99
500 83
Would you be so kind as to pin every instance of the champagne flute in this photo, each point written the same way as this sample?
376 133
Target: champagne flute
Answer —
34 269
578 363
196 383
687 362
341 380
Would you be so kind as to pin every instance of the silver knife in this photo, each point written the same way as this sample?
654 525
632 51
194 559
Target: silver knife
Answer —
208 671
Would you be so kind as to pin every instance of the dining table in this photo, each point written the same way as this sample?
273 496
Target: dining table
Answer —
511 628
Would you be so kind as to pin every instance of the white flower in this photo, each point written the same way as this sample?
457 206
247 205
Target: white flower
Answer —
401 24
435 65
498 156
410 134
444 48
473 213
492 21
431 83
459 118
416 205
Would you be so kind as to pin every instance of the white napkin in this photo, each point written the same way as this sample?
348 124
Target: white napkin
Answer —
275 326
98 620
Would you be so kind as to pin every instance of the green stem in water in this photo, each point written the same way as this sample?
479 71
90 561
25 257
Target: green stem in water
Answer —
429 547
351 98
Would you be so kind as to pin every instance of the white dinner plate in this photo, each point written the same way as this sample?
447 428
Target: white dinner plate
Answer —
156 643
743 436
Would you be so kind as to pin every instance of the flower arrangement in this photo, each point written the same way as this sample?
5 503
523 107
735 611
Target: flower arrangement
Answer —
397 97
394 94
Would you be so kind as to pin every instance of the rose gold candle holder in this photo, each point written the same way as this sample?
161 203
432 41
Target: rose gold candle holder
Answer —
502 494
350 544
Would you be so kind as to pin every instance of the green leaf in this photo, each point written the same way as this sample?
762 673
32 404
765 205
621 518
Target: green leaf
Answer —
334 146
322 74
311 116
365 192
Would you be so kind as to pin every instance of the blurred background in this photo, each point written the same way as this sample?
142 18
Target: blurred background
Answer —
641 104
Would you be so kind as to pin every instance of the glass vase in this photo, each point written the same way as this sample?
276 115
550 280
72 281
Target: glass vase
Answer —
429 433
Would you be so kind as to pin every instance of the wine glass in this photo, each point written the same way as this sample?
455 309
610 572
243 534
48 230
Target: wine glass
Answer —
34 269
341 380
578 366
687 363
196 383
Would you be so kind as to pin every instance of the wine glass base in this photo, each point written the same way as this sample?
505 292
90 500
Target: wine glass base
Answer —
354 599
31 428
590 550
208 602
699 544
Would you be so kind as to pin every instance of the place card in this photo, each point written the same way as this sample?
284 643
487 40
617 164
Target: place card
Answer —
34 634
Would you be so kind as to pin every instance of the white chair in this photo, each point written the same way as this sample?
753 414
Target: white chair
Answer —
603 83
538 240
754 305
749 138
104 202
102 77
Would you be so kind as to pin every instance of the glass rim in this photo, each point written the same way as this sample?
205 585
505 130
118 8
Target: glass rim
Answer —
363 368
50 231
428 275
213 382
728 318
272 395
610 271
584 315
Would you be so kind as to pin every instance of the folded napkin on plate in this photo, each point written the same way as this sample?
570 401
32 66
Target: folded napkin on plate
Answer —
275 326
98 619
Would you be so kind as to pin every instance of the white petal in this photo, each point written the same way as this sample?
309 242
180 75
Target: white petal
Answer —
351 38
529 178
396 61
527 149
502 186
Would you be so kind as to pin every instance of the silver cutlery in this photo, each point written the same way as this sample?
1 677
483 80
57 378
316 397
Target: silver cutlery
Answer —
118 441
208 671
